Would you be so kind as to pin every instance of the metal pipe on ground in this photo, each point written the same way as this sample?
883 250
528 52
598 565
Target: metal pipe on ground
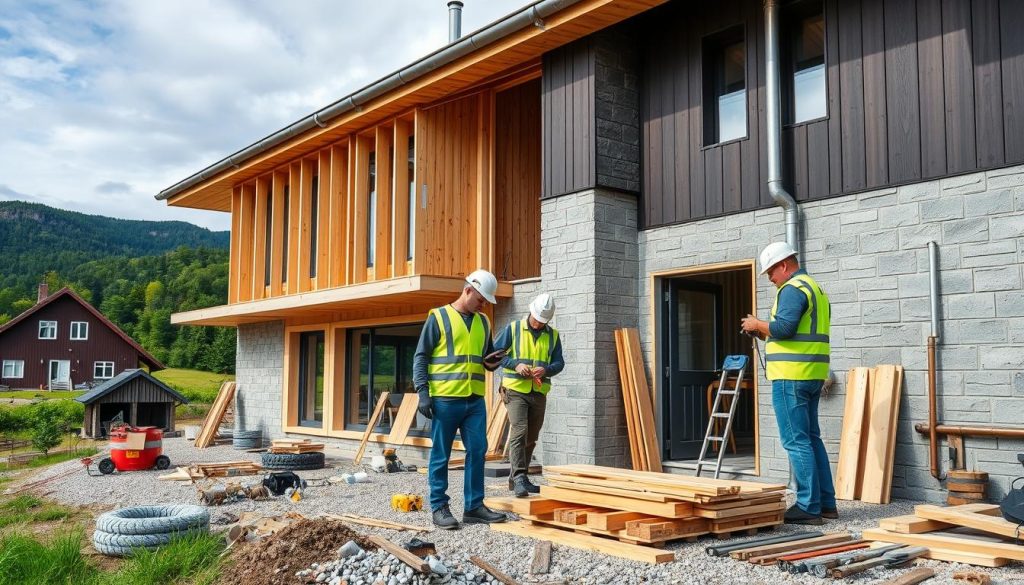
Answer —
722 550
892 558
802 564
820 568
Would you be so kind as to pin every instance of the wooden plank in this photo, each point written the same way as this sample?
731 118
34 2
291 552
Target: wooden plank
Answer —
531 506
911 524
259 268
400 251
293 243
624 381
970 518
768 549
645 408
587 542
611 491
980 560
378 410
404 419
850 464
612 520
541 562
958 78
652 480
385 195
660 529
913 577
735 512
208 430
326 210
881 437
901 91
493 571
401 554
951 542
278 220
667 509
305 224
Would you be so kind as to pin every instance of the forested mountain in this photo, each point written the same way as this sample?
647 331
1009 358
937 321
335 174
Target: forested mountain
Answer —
137 273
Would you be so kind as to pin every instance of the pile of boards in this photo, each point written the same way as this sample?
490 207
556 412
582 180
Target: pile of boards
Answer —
972 533
636 396
208 470
631 514
295 446
868 442
208 430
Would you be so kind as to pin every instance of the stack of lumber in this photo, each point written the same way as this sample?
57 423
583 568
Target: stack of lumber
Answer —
971 533
497 428
636 396
295 446
867 445
631 514
208 470
208 430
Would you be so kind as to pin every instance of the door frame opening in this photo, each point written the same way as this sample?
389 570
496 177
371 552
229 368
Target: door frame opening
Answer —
661 367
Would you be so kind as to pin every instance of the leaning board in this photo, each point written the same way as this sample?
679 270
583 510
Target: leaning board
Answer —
847 470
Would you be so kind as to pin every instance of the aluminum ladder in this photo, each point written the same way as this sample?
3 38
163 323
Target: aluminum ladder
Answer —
732 363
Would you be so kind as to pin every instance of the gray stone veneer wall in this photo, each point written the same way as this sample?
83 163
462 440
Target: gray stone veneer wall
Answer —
869 252
589 262
258 371
617 107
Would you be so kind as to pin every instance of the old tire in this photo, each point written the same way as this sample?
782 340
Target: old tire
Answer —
163 462
154 520
100 538
293 461
106 466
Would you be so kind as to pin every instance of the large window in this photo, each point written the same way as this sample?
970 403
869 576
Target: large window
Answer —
412 198
14 369
380 360
311 379
725 93
47 330
371 212
103 370
805 62
314 212
79 330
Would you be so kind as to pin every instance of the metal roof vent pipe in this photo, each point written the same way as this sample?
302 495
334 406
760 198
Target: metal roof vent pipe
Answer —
454 21
773 96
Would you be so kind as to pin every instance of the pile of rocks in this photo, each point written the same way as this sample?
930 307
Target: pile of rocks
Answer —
356 566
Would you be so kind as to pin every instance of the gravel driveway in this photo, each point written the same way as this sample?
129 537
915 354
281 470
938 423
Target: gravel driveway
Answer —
509 553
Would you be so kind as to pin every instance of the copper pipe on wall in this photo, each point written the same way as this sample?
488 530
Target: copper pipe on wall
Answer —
970 431
933 293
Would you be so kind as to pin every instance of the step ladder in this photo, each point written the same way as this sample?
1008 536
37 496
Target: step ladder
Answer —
732 364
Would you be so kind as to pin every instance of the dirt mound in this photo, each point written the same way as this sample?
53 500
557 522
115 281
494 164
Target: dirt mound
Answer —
276 558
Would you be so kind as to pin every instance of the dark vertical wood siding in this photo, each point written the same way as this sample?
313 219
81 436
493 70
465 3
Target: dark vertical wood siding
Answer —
137 390
21 342
917 89
568 122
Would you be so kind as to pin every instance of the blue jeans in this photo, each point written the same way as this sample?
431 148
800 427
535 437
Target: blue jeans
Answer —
468 416
796 410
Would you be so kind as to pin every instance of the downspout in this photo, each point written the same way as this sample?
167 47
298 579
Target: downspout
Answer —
933 292
773 96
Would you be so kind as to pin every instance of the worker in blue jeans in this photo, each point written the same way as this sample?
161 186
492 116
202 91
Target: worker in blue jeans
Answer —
797 363
449 370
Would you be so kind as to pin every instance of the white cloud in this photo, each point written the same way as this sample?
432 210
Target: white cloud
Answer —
104 104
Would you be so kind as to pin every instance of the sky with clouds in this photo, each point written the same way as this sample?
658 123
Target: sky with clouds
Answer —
105 103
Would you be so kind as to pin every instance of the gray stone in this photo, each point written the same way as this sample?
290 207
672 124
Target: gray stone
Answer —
999 278
948 207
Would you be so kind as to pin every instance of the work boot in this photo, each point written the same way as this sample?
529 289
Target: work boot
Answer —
443 518
483 515
794 515
519 486
530 486
830 513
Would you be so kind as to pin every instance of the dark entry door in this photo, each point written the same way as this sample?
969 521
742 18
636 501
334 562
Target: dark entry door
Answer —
693 343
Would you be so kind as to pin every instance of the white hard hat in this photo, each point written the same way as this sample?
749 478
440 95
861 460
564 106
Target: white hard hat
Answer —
543 308
484 283
774 253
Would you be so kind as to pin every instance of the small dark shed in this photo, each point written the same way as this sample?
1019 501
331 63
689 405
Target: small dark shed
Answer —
134 397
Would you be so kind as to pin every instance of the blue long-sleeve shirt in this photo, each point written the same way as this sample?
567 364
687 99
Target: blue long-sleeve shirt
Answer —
504 341
429 337
792 306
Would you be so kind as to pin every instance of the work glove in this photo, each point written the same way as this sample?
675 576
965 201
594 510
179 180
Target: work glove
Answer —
426 406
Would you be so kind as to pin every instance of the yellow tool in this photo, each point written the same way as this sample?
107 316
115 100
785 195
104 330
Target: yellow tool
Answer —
407 502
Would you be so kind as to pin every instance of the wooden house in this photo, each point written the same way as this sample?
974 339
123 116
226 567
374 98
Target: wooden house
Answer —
63 341
632 157
134 397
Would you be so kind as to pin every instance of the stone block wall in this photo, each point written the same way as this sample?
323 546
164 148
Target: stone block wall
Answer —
869 251
258 378
617 107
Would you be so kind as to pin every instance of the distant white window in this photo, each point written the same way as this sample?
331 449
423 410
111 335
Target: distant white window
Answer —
103 370
47 330
14 369
79 330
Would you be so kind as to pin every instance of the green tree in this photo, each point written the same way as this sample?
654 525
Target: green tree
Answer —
46 434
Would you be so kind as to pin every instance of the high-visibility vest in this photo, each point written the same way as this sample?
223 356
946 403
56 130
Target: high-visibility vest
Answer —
534 352
457 365
805 356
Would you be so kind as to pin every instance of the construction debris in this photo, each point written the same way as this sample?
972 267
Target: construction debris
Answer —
493 571
221 494
207 470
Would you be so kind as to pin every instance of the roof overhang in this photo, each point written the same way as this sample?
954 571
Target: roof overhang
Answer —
502 54
383 294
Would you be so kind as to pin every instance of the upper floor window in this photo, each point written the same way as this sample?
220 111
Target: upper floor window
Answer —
805 26
14 369
79 330
371 213
314 212
103 370
47 330
725 88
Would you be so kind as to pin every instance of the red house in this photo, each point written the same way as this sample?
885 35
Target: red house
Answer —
63 341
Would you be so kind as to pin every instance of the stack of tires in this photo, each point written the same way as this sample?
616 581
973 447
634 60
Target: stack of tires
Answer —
121 532
293 461
247 439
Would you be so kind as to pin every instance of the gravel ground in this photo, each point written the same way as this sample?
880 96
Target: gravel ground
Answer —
509 553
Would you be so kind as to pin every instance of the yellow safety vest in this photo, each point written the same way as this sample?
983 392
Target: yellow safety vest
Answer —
532 352
805 356
457 365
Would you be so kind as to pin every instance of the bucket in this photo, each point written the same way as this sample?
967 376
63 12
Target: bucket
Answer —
191 432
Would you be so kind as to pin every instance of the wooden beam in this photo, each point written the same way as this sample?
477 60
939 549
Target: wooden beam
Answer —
404 419
957 543
234 254
259 257
493 571
278 234
587 542
325 212
338 244
982 517
385 196
532 506
401 554
849 466
360 208
295 203
911 524
399 252
667 509
307 168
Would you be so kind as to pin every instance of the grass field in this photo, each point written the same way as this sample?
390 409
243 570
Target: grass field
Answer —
196 385
41 394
